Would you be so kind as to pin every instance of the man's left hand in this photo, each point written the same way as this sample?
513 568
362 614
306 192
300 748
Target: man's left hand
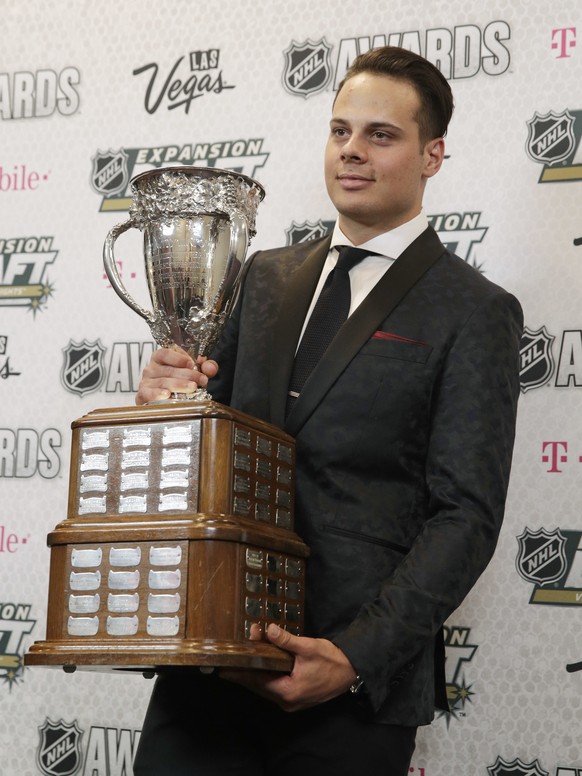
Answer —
321 671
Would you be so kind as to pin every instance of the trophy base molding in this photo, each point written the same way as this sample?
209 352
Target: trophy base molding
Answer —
178 543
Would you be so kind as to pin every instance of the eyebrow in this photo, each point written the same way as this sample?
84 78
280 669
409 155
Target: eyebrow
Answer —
371 125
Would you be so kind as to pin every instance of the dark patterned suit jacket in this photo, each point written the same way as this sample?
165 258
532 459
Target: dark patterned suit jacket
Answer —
404 440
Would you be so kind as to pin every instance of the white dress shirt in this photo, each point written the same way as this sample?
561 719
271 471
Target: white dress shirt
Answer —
365 275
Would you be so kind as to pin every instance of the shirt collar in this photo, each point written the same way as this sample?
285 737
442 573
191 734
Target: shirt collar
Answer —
390 244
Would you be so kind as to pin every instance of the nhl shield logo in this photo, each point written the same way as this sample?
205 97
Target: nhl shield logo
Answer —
307 68
59 751
299 233
516 768
535 357
83 370
110 174
550 137
542 556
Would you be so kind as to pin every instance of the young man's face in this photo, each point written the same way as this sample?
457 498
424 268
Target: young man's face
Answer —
375 165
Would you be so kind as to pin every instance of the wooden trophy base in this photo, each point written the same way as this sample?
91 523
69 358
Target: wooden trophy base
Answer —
178 543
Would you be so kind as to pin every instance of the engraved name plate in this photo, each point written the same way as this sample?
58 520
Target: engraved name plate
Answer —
131 459
165 556
86 558
137 437
176 456
177 435
95 462
133 503
164 580
125 556
91 482
171 501
89 580
123 602
92 505
163 603
162 626
83 626
134 481
123 580
122 626
93 439
84 604
174 478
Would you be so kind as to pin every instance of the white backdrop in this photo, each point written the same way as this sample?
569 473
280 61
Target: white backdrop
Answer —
93 93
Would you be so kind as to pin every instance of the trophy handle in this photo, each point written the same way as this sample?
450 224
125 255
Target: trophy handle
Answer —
113 273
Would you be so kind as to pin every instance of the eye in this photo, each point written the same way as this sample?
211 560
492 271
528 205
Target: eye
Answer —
339 131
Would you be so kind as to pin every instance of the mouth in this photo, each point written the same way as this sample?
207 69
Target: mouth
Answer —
352 181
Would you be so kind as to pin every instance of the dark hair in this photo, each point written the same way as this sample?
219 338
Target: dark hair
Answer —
436 97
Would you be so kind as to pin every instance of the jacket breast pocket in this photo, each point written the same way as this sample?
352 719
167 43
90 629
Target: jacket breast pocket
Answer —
402 349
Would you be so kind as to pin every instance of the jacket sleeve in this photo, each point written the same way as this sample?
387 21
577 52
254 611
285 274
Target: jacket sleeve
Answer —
467 472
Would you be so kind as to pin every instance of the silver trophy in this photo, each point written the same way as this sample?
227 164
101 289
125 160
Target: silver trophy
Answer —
197 223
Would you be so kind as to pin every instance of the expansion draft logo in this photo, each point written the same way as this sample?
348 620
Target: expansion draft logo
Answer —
113 170
459 232
24 275
15 624
554 141
552 562
459 653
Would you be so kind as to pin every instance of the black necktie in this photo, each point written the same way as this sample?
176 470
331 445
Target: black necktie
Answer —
329 313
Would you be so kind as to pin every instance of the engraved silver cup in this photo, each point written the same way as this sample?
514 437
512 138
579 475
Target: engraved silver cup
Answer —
197 223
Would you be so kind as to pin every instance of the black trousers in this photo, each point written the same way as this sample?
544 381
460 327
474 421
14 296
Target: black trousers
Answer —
200 725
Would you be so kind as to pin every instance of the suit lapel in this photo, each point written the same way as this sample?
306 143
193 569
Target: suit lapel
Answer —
360 326
294 306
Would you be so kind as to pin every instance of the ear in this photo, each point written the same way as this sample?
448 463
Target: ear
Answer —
434 153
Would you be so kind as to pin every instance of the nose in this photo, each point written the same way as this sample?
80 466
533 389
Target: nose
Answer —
354 149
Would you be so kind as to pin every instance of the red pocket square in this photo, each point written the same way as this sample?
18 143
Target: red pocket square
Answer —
386 335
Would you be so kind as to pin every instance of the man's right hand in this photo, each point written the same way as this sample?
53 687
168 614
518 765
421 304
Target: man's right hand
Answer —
173 371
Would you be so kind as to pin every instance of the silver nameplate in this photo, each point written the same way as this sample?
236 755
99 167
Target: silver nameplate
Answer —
84 604
123 602
165 556
162 626
177 435
95 439
92 505
92 482
86 558
96 462
176 456
122 626
89 580
82 626
171 501
164 580
132 459
174 478
134 481
124 556
123 580
159 603
137 437
132 503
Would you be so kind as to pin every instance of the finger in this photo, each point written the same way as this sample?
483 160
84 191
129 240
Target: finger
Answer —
208 366
173 356
285 640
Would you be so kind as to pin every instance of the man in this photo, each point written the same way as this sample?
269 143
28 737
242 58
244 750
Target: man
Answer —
404 432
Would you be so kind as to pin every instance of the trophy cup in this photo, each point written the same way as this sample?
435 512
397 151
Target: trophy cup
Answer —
179 536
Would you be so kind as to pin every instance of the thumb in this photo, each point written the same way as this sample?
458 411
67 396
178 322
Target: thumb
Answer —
283 639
